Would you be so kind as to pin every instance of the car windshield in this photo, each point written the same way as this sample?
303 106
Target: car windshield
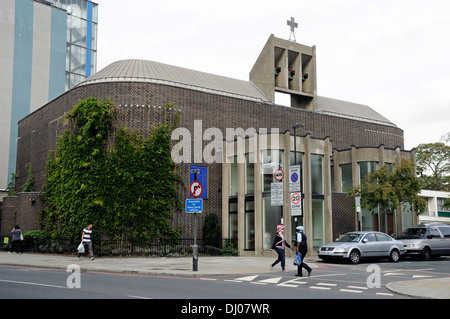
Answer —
413 233
350 237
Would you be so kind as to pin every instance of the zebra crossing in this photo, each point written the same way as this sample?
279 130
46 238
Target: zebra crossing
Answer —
313 282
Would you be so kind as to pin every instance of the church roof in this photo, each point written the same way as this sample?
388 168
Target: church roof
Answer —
160 73
350 110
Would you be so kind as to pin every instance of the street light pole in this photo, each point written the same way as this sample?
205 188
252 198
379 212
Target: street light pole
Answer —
296 126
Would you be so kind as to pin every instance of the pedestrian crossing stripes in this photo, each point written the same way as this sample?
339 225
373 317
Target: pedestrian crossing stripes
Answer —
306 282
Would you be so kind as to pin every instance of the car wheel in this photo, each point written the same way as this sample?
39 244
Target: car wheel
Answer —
394 256
355 256
426 254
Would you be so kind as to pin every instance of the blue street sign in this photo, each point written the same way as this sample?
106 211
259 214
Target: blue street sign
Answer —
194 205
198 181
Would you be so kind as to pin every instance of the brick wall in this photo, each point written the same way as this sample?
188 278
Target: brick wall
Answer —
343 216
24 210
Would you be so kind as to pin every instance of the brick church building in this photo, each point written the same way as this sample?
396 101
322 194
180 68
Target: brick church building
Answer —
334 143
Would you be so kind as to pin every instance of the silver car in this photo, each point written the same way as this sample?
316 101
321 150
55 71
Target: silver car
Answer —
427 240
354 246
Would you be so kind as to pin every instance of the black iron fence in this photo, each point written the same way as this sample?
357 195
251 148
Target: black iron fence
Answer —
126 247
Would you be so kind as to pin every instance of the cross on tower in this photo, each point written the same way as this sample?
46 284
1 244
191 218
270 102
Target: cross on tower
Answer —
293 25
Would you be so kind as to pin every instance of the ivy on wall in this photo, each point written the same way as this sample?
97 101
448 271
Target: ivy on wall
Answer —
129 190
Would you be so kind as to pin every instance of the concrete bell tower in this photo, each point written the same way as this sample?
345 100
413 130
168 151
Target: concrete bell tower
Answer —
287 67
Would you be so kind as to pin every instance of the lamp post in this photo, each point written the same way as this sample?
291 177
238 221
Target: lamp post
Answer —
296 126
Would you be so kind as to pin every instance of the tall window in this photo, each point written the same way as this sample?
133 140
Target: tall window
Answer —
316 174
233 176
233 221
249 224
271 218
346 177
272 160
370 220
366 168
249 173
318 223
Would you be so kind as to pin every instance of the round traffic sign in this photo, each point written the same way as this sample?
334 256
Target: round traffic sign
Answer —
196 189
294 177
279 174
295 198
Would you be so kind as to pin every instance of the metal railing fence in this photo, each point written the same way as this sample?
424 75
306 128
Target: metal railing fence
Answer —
127 247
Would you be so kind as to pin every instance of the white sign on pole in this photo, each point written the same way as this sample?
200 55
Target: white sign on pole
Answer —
296 204
276 194
294 179
358 204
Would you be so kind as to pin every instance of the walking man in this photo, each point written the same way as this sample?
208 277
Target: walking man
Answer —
86 241
302 247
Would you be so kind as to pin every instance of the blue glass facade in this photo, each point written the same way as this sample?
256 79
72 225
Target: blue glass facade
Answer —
81 58
47 48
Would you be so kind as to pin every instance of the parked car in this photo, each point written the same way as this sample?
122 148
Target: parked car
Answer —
427 240
354 246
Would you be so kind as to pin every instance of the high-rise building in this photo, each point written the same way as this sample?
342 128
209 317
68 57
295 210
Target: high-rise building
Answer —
47 47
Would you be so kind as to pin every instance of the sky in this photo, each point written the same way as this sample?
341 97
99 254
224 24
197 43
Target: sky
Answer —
392 55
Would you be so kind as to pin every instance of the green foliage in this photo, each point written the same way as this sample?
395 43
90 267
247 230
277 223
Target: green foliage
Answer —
75 171
388 190
11 185
29 183
143 184
433 165
212 231
229 249
130 190
37 236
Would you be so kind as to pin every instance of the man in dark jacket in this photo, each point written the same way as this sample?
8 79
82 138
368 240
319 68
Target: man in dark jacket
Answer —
302 247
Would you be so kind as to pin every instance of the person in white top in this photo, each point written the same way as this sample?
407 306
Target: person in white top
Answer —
86 241
302 248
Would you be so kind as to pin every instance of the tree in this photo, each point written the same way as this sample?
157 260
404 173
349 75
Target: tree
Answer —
388 190
433 165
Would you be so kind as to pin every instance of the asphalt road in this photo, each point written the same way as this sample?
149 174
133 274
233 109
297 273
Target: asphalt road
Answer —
330 281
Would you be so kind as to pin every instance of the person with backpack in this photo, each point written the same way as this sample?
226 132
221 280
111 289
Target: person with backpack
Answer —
302 248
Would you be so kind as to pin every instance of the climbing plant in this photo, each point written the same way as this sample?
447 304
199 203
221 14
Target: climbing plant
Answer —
129 189
73 189
29 183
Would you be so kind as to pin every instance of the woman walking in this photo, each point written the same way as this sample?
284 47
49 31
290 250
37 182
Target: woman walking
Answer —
16 233
279 244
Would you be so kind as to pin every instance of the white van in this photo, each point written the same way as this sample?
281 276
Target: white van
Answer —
427 240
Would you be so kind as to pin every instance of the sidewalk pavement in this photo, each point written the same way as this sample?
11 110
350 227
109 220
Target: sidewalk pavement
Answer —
207 267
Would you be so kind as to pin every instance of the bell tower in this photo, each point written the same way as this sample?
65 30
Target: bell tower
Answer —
287 67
